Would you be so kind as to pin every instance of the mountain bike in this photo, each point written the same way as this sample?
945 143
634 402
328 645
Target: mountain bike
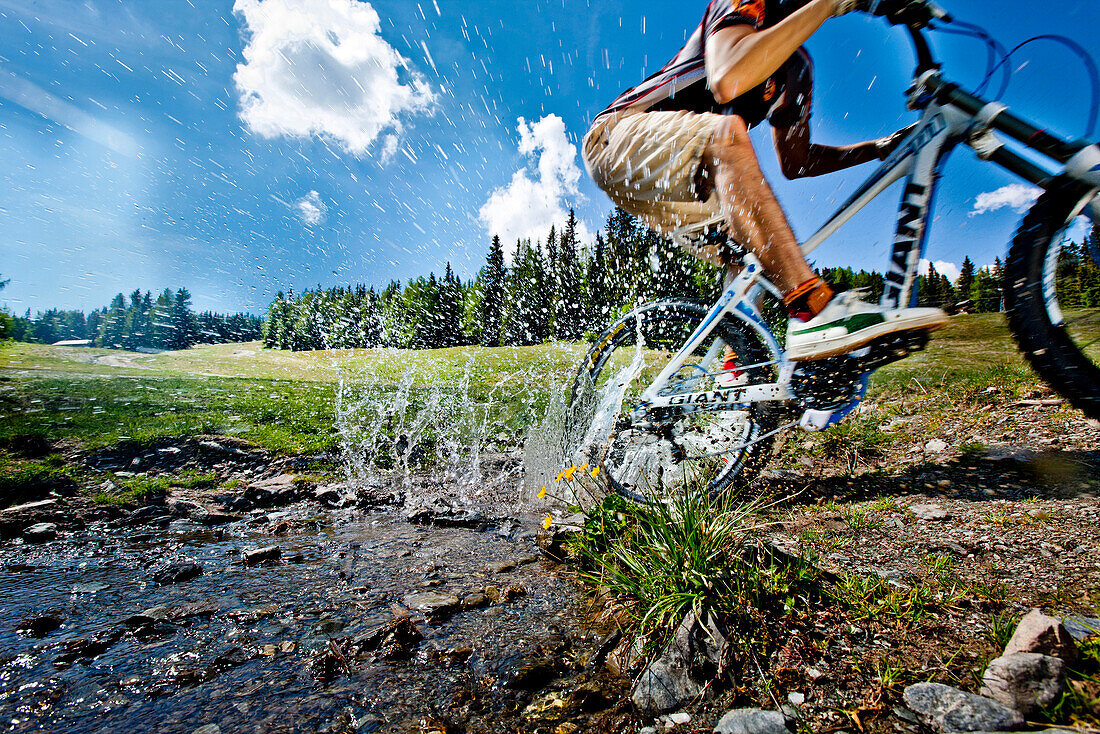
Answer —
679 391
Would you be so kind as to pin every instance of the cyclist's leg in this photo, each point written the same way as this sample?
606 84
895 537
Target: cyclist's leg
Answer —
755 216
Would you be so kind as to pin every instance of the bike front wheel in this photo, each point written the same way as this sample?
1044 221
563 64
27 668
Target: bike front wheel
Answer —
649 460
1052 295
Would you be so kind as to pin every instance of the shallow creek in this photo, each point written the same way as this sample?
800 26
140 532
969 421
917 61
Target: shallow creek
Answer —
246 647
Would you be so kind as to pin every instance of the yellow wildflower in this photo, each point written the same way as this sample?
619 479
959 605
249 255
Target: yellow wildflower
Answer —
548 522
595 471
542 492
569 473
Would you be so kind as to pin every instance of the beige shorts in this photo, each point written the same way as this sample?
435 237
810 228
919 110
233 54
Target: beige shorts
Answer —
648 162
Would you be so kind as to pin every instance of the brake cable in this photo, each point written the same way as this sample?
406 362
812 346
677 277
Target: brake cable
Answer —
994 47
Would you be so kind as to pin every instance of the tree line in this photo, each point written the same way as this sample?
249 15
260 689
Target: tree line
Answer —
135 323
558 289
551 289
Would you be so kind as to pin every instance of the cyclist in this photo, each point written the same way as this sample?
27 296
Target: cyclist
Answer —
675 151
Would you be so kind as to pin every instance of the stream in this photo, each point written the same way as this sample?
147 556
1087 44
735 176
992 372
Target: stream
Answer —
283 645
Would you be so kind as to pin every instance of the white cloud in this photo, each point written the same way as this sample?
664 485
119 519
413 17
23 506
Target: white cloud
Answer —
320 68
536 198
1018 197
311 209
951 270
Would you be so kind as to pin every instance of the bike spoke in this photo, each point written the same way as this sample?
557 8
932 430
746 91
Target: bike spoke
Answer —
743 446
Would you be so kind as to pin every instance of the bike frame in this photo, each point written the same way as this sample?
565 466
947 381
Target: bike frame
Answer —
949 117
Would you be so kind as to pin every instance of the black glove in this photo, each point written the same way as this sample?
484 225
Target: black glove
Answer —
914 13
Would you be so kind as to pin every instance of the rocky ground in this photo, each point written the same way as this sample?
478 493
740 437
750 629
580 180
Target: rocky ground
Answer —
960 530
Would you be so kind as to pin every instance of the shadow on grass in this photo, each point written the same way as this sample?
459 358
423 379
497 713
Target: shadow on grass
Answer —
1050 475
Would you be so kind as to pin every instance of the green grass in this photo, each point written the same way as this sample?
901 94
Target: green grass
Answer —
659 561
23 480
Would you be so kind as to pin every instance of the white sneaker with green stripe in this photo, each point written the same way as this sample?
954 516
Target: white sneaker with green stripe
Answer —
847 323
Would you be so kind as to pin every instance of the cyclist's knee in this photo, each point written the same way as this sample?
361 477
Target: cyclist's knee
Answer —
731 142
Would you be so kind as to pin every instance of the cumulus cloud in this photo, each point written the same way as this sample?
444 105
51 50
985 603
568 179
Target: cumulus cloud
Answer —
320 68
536 197
310 209
951 270
1018 197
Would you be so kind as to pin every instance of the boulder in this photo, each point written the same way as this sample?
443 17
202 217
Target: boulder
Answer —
1025 681
948 709
1044 635
273 492
40 532
684 670
752 721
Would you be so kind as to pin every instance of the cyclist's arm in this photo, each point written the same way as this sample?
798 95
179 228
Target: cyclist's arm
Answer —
800 158
739 58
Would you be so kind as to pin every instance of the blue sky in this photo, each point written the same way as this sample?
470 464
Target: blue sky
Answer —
242 148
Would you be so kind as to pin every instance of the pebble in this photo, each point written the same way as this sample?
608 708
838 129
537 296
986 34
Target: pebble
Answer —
929 512
751 721
935 446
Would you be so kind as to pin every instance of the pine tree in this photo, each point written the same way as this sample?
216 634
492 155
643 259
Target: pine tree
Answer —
965 283
449 315
492 299
569 322
112 329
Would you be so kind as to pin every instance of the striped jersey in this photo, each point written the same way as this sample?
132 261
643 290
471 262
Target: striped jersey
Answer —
681 84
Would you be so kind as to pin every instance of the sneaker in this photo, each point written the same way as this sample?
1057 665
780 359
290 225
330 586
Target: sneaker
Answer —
731 375
848 323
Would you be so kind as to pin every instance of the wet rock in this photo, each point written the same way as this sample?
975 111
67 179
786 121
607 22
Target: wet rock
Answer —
274 492
85 648
475 601
268 555
398 638
176 573
441 514
91 587
231 658
154 514
432 603
182 508
1025 681
684 670
40 532
330 495
929 512
1081 628
1044 635
528 673
143 627
208 729
948 709
752 721
41 625
187 611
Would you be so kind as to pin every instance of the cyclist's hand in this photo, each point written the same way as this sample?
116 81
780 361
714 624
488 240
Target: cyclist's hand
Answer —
916 13
885 146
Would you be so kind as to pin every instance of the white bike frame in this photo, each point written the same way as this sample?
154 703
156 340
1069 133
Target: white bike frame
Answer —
948 117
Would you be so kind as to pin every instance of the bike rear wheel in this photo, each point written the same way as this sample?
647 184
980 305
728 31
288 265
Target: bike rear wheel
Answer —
707 450
1052 295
